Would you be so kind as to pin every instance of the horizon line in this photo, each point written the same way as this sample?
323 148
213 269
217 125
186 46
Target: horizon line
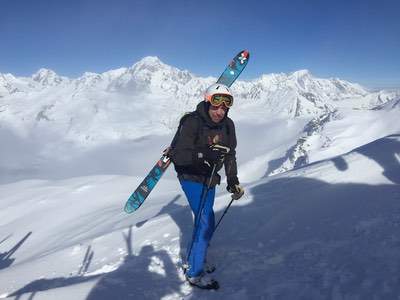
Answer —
245 78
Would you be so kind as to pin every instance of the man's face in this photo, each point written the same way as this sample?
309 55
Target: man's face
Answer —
217 113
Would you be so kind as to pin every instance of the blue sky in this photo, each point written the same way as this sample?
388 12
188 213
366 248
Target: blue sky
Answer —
353 40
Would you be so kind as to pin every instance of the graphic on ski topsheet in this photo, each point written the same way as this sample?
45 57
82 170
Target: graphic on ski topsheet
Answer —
235 67
140 194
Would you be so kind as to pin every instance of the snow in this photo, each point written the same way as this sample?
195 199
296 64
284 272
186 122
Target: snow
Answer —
306 228
356 128
319 220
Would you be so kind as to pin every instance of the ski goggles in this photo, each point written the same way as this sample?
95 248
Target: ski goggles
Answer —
219 99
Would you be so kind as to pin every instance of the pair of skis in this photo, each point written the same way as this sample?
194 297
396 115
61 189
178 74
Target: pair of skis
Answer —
228 77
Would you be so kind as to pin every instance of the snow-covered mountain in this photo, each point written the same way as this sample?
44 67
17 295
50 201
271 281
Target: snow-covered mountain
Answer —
48 78
300 94
150 96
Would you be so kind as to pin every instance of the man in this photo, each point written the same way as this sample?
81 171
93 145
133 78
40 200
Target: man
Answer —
204 143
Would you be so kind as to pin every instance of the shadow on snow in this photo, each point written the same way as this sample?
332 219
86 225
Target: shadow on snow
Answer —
5 258
182 216
133 278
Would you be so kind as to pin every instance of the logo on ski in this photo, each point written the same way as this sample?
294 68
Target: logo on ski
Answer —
243 57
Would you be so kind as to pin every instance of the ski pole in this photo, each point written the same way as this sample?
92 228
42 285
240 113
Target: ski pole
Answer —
225 211
197 221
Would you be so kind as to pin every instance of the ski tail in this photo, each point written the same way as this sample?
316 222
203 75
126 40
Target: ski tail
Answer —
149 182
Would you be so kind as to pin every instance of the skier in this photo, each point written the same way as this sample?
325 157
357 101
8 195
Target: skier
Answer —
204 143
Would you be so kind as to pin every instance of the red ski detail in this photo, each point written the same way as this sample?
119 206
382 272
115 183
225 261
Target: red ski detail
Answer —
166 164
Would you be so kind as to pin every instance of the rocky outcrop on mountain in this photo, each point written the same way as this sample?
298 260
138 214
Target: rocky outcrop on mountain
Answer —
297 155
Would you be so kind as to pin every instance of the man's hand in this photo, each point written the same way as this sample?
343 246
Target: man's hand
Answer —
214 154
235 188
166 151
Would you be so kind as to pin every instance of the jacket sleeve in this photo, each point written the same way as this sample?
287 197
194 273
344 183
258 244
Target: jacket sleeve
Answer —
183 151
230 159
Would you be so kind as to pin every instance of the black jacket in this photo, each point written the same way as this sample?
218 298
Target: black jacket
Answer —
196 132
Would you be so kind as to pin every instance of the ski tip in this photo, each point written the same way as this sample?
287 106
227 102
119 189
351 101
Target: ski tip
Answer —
244 53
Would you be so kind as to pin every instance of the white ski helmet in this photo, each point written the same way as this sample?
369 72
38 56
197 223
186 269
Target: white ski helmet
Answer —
218 89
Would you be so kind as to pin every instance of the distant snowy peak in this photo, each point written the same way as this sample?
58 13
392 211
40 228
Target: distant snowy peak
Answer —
9 84
152 67
113 74
6 84
289 94
300 74
47 77
301 94
304 81
149 63
390 100
150 74
88 80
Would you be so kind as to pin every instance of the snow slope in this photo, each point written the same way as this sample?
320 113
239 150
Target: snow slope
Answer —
325 231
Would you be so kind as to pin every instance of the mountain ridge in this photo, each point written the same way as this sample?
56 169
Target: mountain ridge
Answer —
150 96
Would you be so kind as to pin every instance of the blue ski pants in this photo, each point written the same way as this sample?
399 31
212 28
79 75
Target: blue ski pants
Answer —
203 227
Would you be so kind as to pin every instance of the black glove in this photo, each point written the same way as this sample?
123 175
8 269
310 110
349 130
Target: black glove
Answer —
167 151
235 188
232 182
215 154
